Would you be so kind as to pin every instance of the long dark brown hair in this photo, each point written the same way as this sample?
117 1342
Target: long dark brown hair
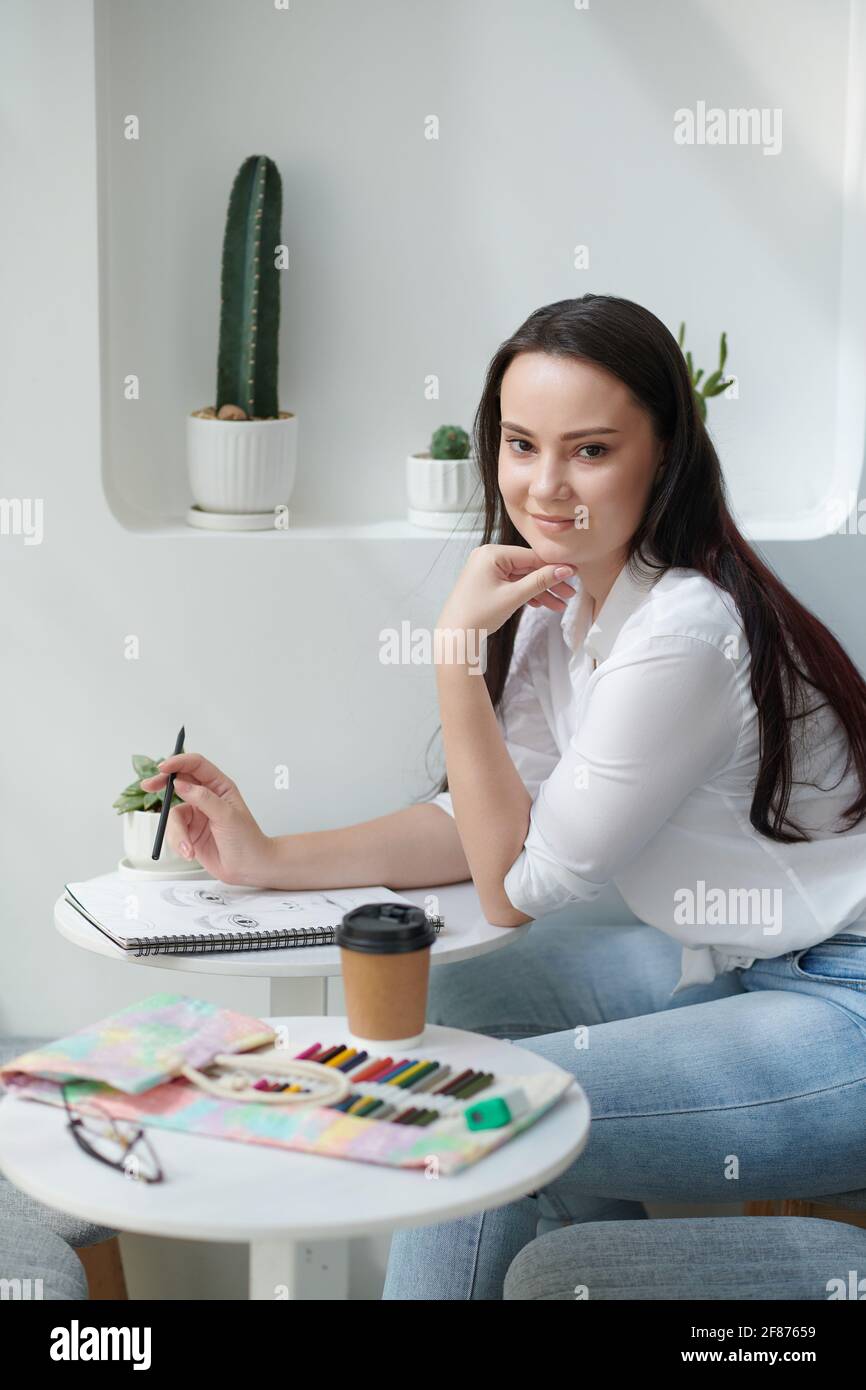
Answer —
687 525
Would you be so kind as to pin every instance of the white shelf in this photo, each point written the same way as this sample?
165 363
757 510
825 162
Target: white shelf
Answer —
393 530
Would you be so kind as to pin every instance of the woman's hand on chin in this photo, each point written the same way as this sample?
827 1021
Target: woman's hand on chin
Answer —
497 580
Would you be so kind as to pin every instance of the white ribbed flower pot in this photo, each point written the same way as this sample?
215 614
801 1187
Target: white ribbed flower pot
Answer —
441 491
241 466
139 833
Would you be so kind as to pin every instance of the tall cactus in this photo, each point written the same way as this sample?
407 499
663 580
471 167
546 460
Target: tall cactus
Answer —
250 311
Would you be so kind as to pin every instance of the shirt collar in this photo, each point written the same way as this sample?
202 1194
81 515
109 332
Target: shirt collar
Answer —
625 596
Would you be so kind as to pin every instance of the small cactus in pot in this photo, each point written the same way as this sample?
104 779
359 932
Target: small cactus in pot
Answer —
443 481
449 442
242 449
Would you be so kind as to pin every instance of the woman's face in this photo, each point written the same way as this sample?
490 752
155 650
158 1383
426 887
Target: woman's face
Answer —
574 446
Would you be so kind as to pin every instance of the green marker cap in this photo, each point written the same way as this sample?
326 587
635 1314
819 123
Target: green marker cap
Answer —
488 1114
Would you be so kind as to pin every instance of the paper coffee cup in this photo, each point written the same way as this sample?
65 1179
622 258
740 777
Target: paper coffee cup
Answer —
385 960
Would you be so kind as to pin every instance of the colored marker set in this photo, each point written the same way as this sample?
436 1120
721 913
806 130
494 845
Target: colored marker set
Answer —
145 1065
384 1088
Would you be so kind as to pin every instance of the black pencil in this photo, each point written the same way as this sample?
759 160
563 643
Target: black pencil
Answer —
166 802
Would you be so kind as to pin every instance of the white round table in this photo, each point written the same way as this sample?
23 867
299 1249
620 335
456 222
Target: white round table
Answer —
298 978
297 1211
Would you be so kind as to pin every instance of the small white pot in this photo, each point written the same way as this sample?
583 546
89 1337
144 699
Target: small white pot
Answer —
440 490
139 833
240 466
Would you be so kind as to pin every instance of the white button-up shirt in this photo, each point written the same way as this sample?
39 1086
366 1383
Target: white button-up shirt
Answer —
637 737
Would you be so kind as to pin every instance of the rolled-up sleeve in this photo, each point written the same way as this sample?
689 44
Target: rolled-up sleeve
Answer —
525 730
659 721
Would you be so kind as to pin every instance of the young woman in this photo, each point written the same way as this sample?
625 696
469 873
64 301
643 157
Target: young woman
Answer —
656 711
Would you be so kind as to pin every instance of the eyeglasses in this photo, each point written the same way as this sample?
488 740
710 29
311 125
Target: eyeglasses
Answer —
118 1143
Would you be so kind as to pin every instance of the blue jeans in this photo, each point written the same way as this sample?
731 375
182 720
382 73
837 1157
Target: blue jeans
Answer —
751 1087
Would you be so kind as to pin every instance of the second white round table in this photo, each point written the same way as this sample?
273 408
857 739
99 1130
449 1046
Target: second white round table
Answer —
298 978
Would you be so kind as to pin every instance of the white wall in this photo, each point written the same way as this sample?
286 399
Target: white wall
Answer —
411 256
269 652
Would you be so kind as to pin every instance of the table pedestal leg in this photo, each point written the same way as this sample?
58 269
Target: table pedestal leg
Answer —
284 1269
294 998
311 1270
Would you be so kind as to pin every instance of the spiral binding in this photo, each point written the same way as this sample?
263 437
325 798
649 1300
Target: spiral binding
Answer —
243 941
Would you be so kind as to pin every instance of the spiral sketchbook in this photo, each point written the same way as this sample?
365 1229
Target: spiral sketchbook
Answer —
203 916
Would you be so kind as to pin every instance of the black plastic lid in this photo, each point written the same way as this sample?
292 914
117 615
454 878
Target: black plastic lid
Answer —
386 929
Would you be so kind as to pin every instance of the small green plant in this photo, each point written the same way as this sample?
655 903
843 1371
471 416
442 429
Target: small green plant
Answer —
134 797
449 442
715 383
250 284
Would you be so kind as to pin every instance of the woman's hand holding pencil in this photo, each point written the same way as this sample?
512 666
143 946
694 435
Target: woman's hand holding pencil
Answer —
214 825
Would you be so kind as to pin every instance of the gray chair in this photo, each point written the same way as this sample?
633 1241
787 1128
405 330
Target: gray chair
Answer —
23 1218
36 1264
743 1258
